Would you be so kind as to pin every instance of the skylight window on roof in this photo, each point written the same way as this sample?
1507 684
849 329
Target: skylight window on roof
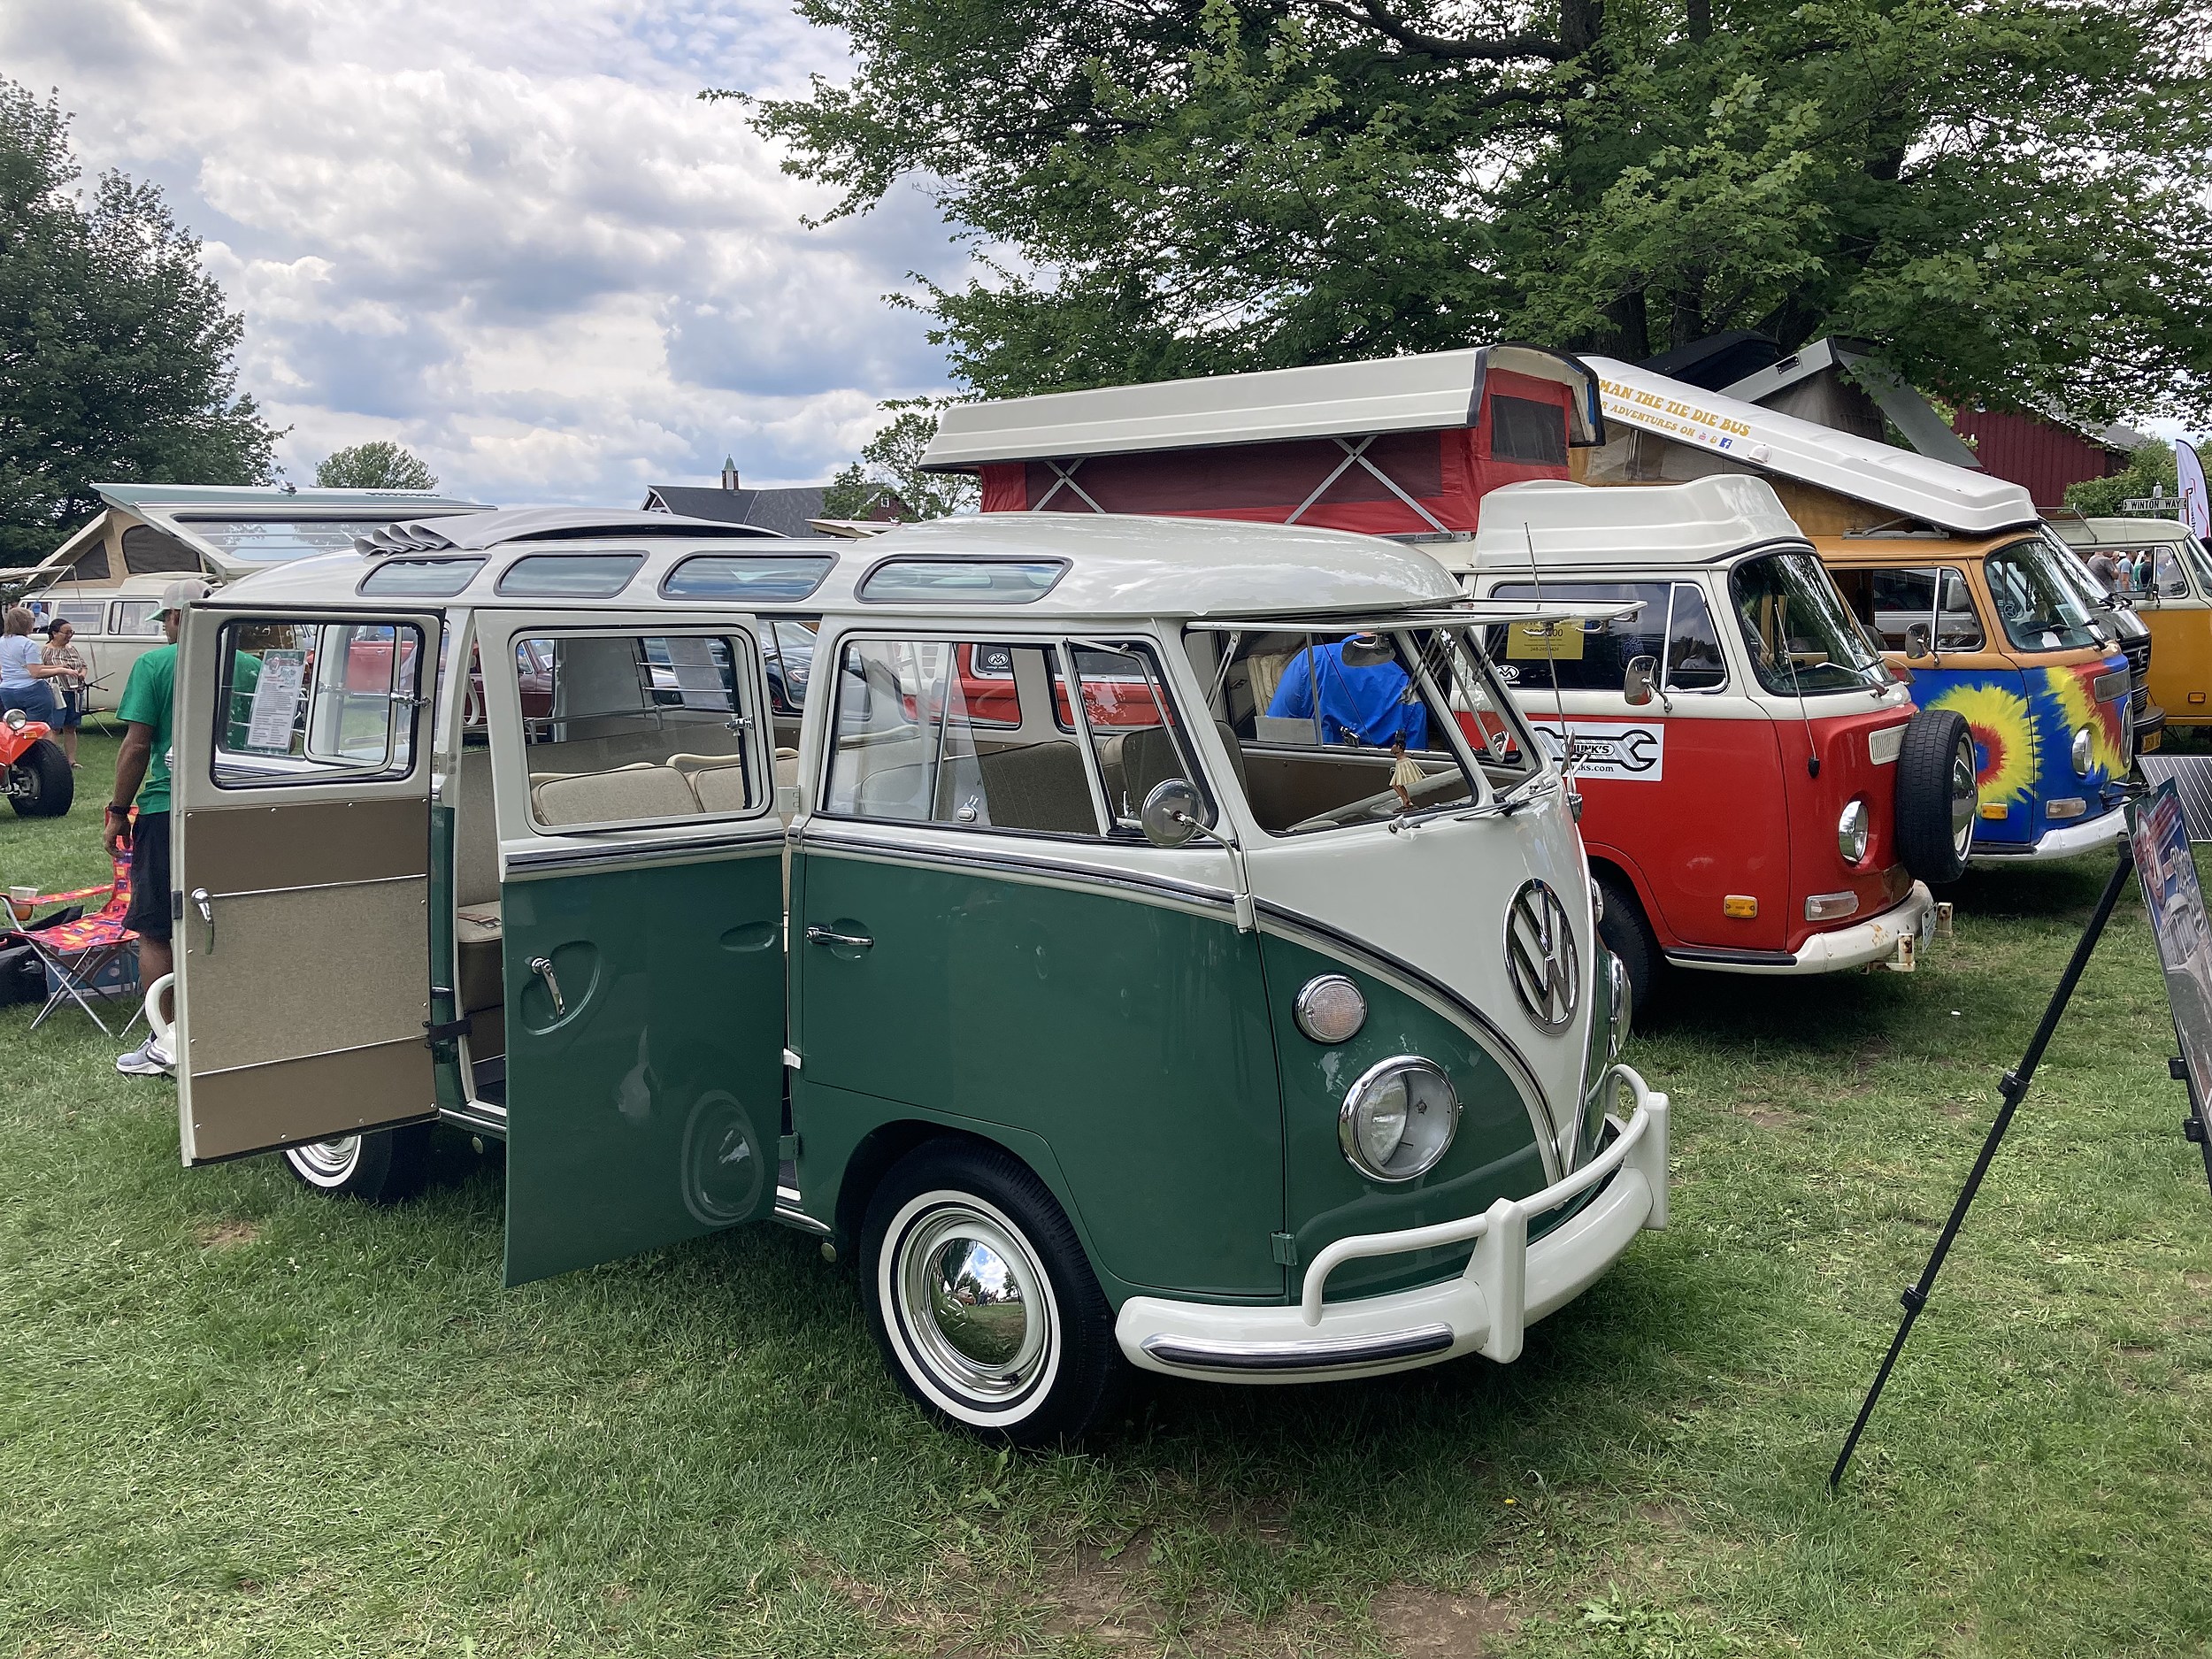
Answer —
750 579
421 579
570 575
961 581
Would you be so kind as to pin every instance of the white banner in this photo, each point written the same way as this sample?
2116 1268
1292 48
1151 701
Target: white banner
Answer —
2196 510
1632 750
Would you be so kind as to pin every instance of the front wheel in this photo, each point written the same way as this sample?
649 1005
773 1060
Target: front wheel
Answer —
380 1167
1629 936
982 1300
42 784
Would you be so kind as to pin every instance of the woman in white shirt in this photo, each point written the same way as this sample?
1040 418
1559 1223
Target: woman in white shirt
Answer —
23 675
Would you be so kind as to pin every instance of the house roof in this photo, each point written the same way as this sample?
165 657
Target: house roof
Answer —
1433 391
1911 486
784 511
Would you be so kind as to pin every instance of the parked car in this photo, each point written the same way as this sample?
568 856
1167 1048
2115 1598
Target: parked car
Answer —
1186 1044
1760 797
1953 573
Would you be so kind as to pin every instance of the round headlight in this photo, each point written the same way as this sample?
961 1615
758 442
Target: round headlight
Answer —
1851 832
17 720
1398 1119
2085 751
1330 1008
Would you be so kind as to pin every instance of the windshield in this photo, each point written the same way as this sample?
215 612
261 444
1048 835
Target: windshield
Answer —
1337 728
1803 641
2038 602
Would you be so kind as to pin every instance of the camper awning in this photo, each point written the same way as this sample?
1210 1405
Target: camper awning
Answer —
1898 481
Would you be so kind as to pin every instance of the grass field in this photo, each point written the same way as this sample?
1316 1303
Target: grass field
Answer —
238 1419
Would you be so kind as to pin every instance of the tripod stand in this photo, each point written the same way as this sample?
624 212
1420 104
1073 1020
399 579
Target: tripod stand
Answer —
2014 1087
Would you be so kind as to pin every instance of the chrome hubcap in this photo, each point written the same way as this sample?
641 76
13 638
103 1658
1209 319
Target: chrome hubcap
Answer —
328 1162
975 1302
1964 797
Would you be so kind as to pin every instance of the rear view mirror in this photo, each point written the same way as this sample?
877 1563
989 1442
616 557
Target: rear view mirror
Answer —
1170 815
1918 641
1636 683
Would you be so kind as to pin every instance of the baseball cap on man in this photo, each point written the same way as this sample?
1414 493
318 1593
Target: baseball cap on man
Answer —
178 594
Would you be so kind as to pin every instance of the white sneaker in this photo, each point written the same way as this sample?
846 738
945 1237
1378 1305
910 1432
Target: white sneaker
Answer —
149 1059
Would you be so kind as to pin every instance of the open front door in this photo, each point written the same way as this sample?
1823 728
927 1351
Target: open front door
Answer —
642 921
301 826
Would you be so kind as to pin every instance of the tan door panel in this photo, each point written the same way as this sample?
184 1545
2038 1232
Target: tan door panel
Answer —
306 971
311 1099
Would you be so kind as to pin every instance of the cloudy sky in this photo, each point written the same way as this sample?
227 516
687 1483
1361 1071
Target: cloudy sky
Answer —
507 236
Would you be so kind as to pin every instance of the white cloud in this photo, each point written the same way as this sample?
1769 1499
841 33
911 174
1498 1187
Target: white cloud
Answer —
509 237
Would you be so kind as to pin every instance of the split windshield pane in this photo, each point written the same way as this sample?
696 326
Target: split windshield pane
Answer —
1328 729
1804 642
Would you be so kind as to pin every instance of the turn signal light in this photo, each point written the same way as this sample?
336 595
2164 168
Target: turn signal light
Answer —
1740 905
1993 809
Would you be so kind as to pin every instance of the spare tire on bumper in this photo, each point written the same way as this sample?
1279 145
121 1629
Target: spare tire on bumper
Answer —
1937 801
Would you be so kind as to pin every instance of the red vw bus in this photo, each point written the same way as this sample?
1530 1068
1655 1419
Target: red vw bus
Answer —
1759 795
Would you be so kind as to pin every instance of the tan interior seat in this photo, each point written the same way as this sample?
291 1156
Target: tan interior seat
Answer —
718 781
626 794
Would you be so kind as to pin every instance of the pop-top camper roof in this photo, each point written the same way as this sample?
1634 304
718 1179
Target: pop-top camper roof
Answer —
1390 445
1746 437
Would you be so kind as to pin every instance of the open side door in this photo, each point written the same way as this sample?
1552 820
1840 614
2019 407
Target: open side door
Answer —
300 818
642 895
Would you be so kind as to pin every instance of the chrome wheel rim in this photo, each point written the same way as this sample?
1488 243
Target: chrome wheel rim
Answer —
326 1163
1965 797
974 1304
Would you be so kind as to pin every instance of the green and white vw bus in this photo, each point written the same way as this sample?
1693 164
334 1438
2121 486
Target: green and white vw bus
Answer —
953 896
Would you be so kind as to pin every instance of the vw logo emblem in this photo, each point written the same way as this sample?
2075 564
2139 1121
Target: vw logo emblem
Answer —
1540 956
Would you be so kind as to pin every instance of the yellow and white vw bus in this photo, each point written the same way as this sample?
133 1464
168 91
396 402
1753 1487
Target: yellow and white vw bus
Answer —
951 896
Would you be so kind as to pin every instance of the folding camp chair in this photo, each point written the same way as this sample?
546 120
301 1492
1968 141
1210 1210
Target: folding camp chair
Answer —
76 953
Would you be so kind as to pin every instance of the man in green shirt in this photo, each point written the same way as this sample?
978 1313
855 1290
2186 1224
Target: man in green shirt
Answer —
142 774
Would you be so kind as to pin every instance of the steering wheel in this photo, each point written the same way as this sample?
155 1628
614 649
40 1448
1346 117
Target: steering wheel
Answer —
1368 806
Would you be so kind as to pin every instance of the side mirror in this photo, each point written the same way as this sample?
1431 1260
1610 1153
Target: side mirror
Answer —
1918 641
1636 684
1170 816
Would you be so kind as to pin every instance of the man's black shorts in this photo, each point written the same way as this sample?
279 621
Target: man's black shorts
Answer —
149 915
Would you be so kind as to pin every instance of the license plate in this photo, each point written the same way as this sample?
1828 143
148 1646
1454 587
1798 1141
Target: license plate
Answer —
1927 926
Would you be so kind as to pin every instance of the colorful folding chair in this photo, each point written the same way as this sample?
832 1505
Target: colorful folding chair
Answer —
76 953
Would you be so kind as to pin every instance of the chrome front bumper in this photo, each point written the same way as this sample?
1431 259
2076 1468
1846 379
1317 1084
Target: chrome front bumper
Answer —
2075 839
1508 1286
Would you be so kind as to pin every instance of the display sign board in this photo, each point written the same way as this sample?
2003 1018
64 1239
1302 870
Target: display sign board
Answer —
2176 902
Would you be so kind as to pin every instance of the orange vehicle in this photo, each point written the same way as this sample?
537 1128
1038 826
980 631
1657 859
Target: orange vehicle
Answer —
37 776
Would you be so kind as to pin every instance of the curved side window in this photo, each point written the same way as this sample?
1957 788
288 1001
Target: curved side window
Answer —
747 578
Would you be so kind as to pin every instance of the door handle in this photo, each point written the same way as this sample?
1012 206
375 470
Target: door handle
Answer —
542 966
820 935
201 902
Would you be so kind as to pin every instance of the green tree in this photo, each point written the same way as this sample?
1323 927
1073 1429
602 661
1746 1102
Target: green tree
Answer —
892 461
2002 194
117 352
379 464
2150 471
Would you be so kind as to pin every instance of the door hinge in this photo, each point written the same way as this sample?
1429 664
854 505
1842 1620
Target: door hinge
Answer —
1285 1249
436 1033
787 1148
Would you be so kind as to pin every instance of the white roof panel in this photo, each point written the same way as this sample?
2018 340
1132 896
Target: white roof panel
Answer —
1581 525
1429 392
1911 486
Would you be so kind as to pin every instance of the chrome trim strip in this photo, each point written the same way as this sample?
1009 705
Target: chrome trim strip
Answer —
1002 864
1199 1355
792 1216
1290 924
317 886
1697 955
317 1054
